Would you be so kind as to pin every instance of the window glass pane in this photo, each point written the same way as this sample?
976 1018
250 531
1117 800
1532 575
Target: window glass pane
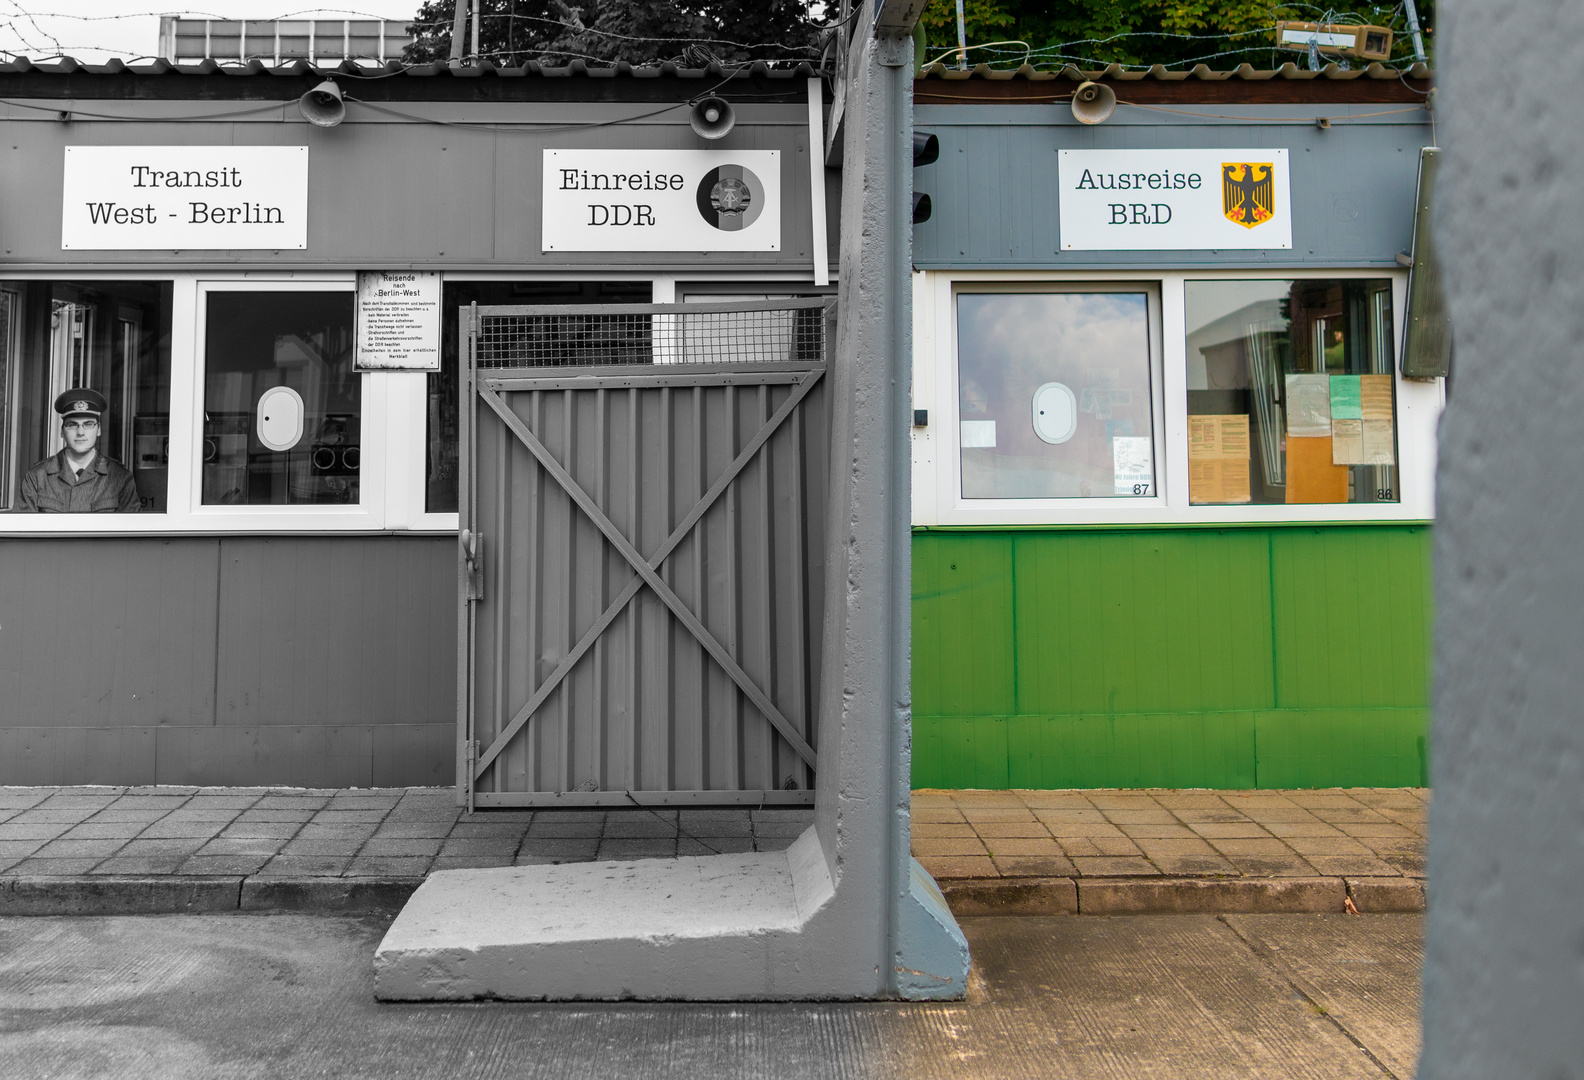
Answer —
283 408
1290 392
441 468
1054 395
99 346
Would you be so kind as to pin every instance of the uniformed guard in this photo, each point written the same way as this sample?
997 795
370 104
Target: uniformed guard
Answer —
79 479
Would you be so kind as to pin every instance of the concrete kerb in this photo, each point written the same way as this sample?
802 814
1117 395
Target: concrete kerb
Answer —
1179 896
262 894
104 894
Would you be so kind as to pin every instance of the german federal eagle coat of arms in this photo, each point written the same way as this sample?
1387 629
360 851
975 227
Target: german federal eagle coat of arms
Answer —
1248 193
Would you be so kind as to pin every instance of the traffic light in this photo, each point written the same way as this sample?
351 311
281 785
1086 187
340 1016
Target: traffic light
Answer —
926 149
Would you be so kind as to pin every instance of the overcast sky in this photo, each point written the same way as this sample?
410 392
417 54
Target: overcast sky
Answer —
93 31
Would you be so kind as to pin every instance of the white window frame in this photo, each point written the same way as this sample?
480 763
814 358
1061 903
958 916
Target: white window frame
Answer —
394 429
395 408
937 478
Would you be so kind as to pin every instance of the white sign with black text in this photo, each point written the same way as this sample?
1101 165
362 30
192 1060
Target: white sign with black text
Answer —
662 200
1149 200
184 198
398 321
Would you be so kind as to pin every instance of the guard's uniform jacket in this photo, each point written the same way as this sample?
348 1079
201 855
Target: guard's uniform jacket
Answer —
104 487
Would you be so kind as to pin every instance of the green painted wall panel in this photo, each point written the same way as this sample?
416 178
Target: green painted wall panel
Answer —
1205 749
1142 621
963 659
961 752
1352 617
1238 657
1299 748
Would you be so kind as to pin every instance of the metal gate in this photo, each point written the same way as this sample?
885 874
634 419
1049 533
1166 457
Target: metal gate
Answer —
642 511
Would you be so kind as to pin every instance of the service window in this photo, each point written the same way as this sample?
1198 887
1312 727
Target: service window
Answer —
1054 393
283 408
1291 391
84 396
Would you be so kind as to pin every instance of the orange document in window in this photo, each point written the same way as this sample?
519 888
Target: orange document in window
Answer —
1311 478
1218 459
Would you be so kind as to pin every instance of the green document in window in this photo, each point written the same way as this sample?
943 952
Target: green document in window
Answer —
1347 421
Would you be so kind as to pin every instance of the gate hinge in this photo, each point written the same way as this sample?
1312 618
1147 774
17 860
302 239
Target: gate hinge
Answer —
473 556
472 751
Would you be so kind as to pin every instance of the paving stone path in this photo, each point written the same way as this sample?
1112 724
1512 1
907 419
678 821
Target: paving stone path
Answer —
1354 832
351 833
110 850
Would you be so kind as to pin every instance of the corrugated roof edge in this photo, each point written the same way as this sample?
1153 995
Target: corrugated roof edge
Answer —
1117 73
577 68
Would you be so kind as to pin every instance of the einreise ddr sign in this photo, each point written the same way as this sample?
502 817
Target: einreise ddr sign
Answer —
121 198
1148 200
662 200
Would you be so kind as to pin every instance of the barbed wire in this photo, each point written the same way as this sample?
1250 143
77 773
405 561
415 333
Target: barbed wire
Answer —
1044 56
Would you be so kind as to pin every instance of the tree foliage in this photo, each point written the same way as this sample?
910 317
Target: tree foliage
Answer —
690 32
1092 33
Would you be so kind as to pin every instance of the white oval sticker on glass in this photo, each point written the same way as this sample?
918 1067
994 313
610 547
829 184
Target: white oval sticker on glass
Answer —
280 418
1055 412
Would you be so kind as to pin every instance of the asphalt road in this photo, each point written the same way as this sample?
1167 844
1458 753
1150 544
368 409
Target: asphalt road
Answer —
238 996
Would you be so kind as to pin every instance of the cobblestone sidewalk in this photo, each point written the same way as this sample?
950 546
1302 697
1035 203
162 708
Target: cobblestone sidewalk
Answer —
1355 832
93 849
351 833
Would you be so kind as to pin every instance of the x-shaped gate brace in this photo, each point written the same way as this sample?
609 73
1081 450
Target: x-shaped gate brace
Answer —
489 391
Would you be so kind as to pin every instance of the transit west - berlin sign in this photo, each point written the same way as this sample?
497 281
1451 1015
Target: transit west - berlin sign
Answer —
662 200
1148 200
127 198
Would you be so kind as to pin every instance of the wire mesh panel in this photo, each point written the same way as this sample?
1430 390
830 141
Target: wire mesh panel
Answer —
773 331
646 550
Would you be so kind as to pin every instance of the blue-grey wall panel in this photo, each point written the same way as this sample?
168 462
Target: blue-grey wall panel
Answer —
107 632
995 199
331 631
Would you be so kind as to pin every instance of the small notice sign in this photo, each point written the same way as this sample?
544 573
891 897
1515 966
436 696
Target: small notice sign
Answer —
184 198
662 200
1153 200
1135 475
398 321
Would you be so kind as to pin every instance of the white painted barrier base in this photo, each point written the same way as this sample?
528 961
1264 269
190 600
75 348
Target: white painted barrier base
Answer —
715 928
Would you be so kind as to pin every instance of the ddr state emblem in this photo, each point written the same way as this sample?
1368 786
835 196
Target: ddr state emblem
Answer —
1248 195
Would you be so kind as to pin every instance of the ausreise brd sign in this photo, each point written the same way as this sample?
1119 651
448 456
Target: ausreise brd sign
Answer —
1150 200
128 198
662 200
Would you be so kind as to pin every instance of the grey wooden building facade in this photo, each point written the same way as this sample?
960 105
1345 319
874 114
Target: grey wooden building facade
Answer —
300 627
